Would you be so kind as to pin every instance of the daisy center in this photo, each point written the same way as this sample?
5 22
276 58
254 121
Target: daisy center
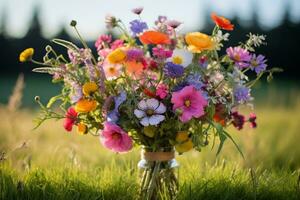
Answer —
254 63
187 103
111 69
237 57
177 60
149 112
116 136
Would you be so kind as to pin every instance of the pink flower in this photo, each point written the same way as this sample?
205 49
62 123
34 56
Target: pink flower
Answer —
252 120
115 138
116 44
162 91
70 119
190 102
161 52
104 52
102 40
138 10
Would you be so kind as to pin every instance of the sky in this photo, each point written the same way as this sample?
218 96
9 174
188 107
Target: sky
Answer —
90 14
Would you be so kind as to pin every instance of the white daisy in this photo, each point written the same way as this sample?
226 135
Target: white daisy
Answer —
150 112
181 57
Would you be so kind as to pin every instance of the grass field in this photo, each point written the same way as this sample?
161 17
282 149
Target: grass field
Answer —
49 163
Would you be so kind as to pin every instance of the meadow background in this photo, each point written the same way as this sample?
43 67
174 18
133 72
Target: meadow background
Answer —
49 163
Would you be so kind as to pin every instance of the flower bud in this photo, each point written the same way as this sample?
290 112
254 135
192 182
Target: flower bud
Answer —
73 23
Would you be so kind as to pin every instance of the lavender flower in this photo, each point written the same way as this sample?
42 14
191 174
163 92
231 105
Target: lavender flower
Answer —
137 10
172 70
242 94
258 63
173 23
137 26
134 54
114 115
240 56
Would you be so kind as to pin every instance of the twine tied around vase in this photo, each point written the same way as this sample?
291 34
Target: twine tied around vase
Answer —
158 156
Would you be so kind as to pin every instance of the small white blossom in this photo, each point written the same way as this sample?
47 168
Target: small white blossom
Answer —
219 38
150 112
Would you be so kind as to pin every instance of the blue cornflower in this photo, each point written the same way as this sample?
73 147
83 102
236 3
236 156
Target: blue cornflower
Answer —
114 115
173 70
137 26
258 63
195 80
242 94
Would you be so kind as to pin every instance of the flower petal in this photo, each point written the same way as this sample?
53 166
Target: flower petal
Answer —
161 109
152 103
145 121
139 113
142 105
156 119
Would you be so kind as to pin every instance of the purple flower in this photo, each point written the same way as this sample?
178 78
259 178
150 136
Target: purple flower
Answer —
238 120
114 115
173 23
160 20
137 26
241 94
134 54
195 80
161 52
173 70
258 63
240 56
138 10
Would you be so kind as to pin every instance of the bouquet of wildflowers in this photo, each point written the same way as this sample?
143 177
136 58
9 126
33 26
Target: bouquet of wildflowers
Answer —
154 87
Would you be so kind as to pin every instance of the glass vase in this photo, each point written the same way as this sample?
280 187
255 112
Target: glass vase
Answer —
159 172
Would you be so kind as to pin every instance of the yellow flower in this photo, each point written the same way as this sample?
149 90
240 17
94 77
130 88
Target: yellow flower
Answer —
26 55
81 128
89 88
181 148
182 136
198 42
85 106
184 143
116 56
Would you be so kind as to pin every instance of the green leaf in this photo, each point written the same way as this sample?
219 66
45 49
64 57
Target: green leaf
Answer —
236 145
222 136
53 100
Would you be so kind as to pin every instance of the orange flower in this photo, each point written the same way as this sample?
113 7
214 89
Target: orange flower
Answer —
199 42
222 22
134 68
154 37
85 106
219 120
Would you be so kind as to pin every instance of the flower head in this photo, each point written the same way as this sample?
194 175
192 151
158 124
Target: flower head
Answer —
184 143
115 138
173 70
112 71
150 112
102 40
240 56
222 22
242 94
114 115
82 128
181 57
117 44
154 37
137 27
195 80
162 91
134 54
161 52
258 63
134 68
111 21
116 56
89 88
238 120
26 55
70 119
173 23
252 120
137 10
85 105
199 42
190 101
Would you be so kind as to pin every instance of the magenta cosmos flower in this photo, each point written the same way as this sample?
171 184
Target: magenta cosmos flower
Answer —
190 101
115 138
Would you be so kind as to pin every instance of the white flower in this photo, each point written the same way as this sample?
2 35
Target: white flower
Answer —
181 57
150 112
219 38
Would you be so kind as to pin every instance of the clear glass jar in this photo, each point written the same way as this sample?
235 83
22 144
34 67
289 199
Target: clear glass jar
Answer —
159 172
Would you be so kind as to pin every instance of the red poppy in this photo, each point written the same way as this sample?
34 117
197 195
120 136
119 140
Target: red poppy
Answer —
222 22
154 37
70 119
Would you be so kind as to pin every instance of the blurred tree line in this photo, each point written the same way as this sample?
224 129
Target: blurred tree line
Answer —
281 49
